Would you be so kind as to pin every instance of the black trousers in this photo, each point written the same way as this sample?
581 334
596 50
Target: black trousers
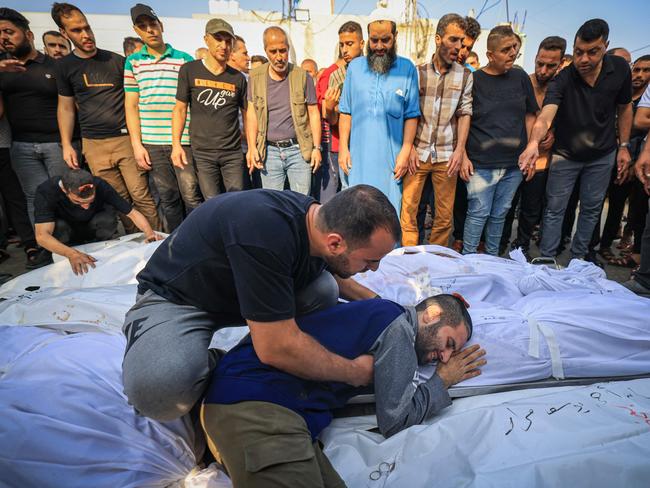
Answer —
15 201
101 227
643 274
636 214
220 171
530 197
460 209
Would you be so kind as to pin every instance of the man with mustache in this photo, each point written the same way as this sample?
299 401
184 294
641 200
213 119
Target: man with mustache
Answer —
446 106
283 123
90 81
56 45
379 114
150 83
329 90
504 109
591 102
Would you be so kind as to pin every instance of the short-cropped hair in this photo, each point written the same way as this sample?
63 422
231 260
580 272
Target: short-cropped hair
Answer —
593 30
448 19
352 27
453 311
356 212
15 17
60 10
497 34
553 43
473 28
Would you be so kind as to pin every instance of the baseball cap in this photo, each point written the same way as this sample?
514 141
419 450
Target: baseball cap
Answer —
141 9
214 26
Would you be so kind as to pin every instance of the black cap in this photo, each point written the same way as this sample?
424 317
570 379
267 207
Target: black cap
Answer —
141 9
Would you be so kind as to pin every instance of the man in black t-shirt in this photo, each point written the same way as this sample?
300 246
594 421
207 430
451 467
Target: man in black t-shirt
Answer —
77 208
93 80
504 109
259 258
590 101
29 99
216 94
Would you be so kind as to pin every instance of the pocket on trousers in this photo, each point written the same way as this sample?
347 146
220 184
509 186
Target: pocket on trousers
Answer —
277 450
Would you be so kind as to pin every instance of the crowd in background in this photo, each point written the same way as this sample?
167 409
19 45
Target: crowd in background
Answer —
461 150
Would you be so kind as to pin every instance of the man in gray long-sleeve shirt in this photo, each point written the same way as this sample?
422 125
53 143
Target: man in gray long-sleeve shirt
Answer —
262 424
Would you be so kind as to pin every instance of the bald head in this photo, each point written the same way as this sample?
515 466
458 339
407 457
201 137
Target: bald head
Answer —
274 35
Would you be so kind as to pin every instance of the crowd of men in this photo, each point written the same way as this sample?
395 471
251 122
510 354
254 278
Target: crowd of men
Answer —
366 145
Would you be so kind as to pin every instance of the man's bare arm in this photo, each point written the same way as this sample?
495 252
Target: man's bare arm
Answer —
284 346
540 128
351 290
65 116
642 118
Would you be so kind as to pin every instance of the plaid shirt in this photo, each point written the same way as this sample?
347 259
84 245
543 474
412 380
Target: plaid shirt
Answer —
443 98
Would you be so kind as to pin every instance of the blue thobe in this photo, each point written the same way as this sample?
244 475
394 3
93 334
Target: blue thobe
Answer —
379 105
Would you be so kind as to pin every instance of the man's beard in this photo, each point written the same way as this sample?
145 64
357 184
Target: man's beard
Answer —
21 50
426 341
381 64
339 265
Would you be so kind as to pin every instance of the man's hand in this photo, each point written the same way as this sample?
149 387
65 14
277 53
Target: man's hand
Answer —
461 366
315 161
70 156
456 161
529 157
345 160
623 160
401 164
12 66
253 160
331 98
466 169
414 161
363 372
642 170
179 158
142 157
547 143
79 262
154 236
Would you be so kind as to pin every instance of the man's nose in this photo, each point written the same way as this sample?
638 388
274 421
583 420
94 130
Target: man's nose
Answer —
445 355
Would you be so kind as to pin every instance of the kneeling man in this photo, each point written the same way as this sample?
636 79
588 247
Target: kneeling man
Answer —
78 208
262 424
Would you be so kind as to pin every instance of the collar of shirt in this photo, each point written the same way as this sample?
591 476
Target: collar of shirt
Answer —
40 59
169 51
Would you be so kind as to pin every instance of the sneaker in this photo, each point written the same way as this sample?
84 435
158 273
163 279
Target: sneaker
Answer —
636 287
40 258
592 257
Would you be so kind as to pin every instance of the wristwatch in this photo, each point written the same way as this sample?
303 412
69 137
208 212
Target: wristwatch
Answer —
624 144
318 148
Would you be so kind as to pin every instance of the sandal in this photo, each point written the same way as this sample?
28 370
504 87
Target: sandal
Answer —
623 261
37 258
606 253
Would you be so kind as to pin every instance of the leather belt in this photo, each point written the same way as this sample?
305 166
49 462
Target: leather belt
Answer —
284 143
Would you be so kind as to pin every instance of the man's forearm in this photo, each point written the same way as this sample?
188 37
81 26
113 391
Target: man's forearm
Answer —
179 116
52 244
251 126
345 124
133 123
624 122
352 290
314 124
462 131
65 118
410 128
141 222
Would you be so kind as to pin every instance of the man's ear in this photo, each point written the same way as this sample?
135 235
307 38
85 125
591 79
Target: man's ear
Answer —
335 243
431 315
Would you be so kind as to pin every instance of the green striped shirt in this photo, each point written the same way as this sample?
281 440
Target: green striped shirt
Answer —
155 81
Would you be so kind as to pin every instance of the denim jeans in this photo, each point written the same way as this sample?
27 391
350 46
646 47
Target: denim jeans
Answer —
642 275
325 183
489 196
15 204
177 188
34 163
286 162
594 180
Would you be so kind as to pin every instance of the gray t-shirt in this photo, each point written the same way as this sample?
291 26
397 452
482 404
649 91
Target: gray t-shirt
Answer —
280 125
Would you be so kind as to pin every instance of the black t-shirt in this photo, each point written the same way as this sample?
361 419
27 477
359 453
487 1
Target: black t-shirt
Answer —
30 100
214 102
50 203
240 255
586 116
97 84
497 134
